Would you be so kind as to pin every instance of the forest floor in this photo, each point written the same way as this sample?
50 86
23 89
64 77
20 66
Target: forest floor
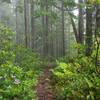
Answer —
44 87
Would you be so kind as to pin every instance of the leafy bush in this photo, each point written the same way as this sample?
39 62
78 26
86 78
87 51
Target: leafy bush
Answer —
27 59
6 38
78 80
17 81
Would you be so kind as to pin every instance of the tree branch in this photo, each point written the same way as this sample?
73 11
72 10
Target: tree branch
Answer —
66 9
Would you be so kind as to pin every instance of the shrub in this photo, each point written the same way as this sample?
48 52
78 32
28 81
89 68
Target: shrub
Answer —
27 59
17 81
78 80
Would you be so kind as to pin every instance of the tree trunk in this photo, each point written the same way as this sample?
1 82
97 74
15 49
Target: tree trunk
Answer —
97 32
63 33
74 28
45 19
26 22
89 34
81 23
17 33
32 25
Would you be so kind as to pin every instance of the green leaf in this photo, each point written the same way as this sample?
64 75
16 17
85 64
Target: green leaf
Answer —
90 84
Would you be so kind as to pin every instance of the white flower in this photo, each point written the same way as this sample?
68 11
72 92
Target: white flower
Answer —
17 81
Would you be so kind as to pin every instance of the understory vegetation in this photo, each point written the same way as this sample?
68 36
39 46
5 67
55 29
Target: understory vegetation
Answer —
76 78
18 70
49 49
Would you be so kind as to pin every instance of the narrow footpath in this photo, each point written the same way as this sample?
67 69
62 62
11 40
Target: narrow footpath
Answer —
44 88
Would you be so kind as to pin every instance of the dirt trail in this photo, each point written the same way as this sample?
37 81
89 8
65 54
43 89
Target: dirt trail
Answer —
44 89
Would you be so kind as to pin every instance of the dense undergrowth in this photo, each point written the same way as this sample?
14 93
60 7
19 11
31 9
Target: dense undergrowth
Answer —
74 79
19 69
77 79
